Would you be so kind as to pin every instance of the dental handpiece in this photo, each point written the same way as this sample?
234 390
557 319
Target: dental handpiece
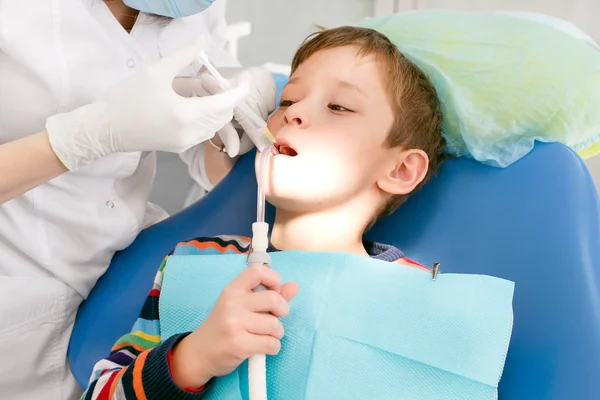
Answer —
260 136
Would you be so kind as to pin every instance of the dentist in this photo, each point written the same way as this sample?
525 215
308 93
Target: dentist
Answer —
87 94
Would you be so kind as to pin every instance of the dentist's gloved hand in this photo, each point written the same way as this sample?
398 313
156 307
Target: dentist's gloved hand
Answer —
142 113
261 97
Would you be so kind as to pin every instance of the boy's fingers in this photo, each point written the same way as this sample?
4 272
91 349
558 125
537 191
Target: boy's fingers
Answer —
264 324
268 302
263 344
257 275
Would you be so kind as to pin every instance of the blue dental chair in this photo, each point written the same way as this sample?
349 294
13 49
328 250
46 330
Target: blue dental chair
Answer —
536 223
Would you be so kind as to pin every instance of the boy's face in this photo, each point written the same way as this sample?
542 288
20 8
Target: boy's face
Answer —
335 116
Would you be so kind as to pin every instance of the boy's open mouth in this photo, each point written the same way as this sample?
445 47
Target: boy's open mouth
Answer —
285 149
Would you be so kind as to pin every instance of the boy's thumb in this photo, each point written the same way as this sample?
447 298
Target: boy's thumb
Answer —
289 290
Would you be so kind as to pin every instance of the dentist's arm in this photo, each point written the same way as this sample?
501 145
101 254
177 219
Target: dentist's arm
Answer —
142 113
27 163
217 163
207 167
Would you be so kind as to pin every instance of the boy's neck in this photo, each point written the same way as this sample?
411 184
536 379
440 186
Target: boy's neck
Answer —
323 231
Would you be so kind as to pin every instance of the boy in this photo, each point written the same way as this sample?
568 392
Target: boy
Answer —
358 130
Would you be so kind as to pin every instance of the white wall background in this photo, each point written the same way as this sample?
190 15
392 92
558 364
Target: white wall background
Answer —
279 26
584 13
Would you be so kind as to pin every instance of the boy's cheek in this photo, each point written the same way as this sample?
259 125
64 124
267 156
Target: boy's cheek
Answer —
274 123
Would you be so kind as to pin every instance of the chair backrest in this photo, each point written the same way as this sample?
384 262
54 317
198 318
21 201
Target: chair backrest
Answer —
536 223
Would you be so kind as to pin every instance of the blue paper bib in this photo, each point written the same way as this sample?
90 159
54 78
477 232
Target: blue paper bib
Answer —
359 328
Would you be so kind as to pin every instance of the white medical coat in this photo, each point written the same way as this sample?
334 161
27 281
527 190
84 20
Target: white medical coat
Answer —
58 239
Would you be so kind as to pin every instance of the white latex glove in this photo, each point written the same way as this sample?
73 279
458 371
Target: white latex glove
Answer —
261 97
142 113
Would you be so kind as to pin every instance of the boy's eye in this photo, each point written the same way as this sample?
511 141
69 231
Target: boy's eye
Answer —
285 103
337 107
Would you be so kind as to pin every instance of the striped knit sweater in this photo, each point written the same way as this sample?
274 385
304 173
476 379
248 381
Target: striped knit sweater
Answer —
138 366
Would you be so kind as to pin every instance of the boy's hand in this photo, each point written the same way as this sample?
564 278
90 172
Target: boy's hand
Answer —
241 324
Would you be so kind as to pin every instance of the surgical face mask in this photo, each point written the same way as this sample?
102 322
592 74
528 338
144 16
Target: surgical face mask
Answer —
170 8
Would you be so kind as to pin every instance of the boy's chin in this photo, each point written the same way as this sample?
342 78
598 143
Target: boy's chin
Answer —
291 204
278 201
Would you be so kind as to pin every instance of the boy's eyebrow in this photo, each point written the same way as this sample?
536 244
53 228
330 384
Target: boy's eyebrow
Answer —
341 84
350 85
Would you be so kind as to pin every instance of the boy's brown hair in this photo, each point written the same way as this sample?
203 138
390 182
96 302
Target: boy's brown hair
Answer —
417 112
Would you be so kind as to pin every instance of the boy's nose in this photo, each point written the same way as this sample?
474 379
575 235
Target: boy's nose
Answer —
293 121
294 115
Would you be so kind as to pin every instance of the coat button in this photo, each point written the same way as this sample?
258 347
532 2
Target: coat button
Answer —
110 204
131 63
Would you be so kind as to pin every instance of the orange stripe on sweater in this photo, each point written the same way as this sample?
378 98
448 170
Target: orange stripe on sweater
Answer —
138 385
123 345
211 245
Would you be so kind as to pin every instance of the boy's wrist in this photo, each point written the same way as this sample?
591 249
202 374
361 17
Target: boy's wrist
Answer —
187 369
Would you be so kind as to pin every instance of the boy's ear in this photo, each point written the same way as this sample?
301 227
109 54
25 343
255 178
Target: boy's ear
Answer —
404 171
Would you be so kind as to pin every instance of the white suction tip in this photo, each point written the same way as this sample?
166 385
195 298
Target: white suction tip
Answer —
260 236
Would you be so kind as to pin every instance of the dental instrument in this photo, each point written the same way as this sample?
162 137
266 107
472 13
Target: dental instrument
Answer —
257 369
260 136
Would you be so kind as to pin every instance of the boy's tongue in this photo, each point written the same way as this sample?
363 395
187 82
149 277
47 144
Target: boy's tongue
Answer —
285 149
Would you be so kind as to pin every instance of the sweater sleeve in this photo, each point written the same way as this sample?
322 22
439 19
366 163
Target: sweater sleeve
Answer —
138 367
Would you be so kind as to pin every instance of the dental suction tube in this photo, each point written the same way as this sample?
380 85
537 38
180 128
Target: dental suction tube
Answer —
263 140
257 364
